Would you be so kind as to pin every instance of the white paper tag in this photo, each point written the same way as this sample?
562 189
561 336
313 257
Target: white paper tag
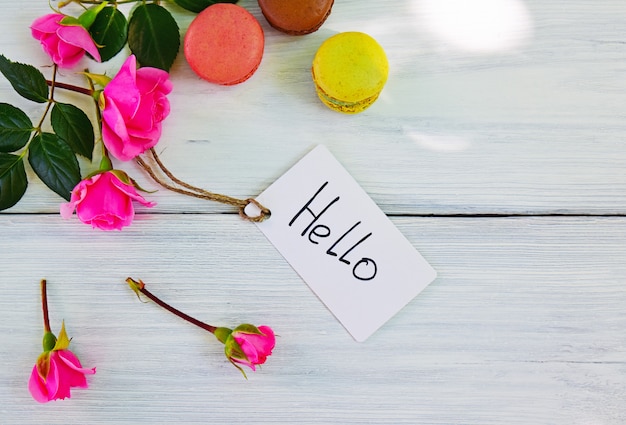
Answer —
340 242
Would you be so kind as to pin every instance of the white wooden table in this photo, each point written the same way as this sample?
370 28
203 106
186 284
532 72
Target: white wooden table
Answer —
497 149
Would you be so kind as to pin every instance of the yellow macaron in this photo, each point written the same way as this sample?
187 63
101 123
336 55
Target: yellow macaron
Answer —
349 70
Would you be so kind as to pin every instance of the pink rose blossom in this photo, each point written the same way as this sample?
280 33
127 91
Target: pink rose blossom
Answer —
134 104
104 201
61 372
65 44
256 346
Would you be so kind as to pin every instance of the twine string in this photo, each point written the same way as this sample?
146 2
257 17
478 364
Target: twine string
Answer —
196 192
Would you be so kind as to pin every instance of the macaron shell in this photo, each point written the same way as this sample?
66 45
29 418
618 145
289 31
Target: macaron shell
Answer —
224 44
343 106
296 17
349 70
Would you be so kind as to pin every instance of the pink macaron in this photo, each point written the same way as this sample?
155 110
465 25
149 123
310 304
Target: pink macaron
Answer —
224 44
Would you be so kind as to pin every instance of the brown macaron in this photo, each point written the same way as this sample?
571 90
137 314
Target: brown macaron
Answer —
296 17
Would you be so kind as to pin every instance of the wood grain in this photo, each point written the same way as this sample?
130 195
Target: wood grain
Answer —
535 129
505 169
524 325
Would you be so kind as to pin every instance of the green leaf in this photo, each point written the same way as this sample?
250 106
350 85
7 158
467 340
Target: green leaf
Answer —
109 31
73 126
198 6
27 80
153 36
55 163
13 181
15 128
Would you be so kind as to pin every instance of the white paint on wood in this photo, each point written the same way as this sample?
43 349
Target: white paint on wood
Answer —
525 323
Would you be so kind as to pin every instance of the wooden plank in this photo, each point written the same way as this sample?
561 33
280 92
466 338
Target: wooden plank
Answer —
525 324
535 128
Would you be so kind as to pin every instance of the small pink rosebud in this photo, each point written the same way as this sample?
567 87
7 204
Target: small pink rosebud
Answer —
57 369
247 344
55 373
134 103
65 44
104 201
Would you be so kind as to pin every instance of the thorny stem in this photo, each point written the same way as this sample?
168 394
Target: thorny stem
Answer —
44 306
113 2
70 87
52 84
105 163
141 287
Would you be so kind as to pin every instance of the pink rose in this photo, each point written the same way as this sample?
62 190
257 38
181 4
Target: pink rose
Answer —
256 346
135 103
104 201
65 44
55 373
248 345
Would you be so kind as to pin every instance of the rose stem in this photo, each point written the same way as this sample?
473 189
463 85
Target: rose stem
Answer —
141 288
70 87
44 306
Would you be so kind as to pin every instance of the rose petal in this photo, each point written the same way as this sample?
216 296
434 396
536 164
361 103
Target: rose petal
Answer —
143 120
79 37
50 45
111 222
78 194
263 344
114 132
104 199
249 350
56 386
67 209
70 369
122 89
244 362
153 79
37 387
47 23
131 192
67 55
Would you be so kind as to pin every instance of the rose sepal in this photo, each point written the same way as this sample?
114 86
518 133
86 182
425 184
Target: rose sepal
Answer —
248 328
105 163
233 350
63 342
49 341
100 79
222 334
136 286
138 186
86 19
43 365
70 21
